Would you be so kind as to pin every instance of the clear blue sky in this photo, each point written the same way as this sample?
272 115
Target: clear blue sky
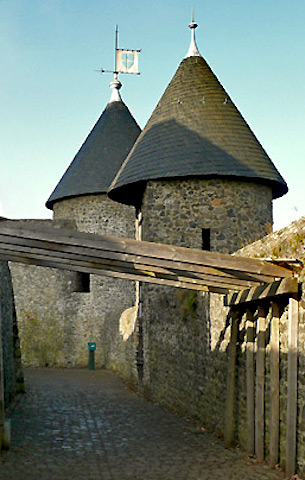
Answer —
50 96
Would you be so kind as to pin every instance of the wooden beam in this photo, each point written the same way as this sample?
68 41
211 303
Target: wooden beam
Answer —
103 270
129 246
227 282
24 253
242 280
66 265
250 382
260 385
286 286
292 378
229 412
293 264
274 386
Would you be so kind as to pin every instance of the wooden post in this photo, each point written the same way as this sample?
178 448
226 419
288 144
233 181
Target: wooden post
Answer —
250 381
260 384
274 386
293 317
229 414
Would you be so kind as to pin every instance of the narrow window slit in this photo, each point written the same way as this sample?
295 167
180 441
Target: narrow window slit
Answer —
206 239
82 282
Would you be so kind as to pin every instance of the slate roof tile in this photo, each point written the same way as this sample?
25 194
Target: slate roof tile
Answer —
101 155
195 130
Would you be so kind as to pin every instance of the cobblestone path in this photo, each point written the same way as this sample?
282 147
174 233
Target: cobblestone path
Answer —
79 424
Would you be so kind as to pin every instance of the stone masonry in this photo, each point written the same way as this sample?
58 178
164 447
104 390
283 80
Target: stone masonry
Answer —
57 319
236 212
288 242
186 334
12 372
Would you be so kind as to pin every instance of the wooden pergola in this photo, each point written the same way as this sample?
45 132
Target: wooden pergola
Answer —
250 284
138 260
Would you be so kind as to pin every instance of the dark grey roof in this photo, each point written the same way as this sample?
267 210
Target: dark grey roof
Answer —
101 155
195 130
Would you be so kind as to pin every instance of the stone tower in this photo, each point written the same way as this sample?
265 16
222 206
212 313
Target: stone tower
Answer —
199 178
200 167
81 194
88 308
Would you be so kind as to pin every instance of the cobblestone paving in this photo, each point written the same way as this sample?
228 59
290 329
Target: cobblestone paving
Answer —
79 424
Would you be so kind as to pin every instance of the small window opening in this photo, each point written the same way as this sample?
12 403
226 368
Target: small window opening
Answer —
206 239
82 282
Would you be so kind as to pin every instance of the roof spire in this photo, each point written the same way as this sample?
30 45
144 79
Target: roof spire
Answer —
125 61
193 49
115 85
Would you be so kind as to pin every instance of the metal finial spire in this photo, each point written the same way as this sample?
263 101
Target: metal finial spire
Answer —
115 85
193 49
125 61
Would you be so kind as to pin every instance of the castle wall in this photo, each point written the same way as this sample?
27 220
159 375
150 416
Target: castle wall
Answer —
288 242
236 212
96 214
109 298
12 372
186 334
56 321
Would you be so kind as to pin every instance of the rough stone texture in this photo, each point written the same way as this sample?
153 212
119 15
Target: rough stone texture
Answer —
184 369
97 214
285 243
12 372
175 212
288 242
186 334
63 320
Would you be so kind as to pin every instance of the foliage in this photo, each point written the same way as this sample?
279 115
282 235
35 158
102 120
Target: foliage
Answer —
188 303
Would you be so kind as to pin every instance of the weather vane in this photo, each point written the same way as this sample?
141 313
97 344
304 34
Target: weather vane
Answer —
125 61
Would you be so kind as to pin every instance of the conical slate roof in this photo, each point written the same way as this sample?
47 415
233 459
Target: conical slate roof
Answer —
101 155
195 130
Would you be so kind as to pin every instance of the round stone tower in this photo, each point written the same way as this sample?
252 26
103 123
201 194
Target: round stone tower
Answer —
197 172
199 178
81 194
80 201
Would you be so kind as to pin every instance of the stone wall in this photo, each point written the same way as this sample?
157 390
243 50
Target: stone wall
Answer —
186 338
12 372
186 334
237 213
56 321
287 243
185 355
97 214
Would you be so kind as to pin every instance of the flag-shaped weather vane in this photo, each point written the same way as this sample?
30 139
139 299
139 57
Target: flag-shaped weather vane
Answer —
125 61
